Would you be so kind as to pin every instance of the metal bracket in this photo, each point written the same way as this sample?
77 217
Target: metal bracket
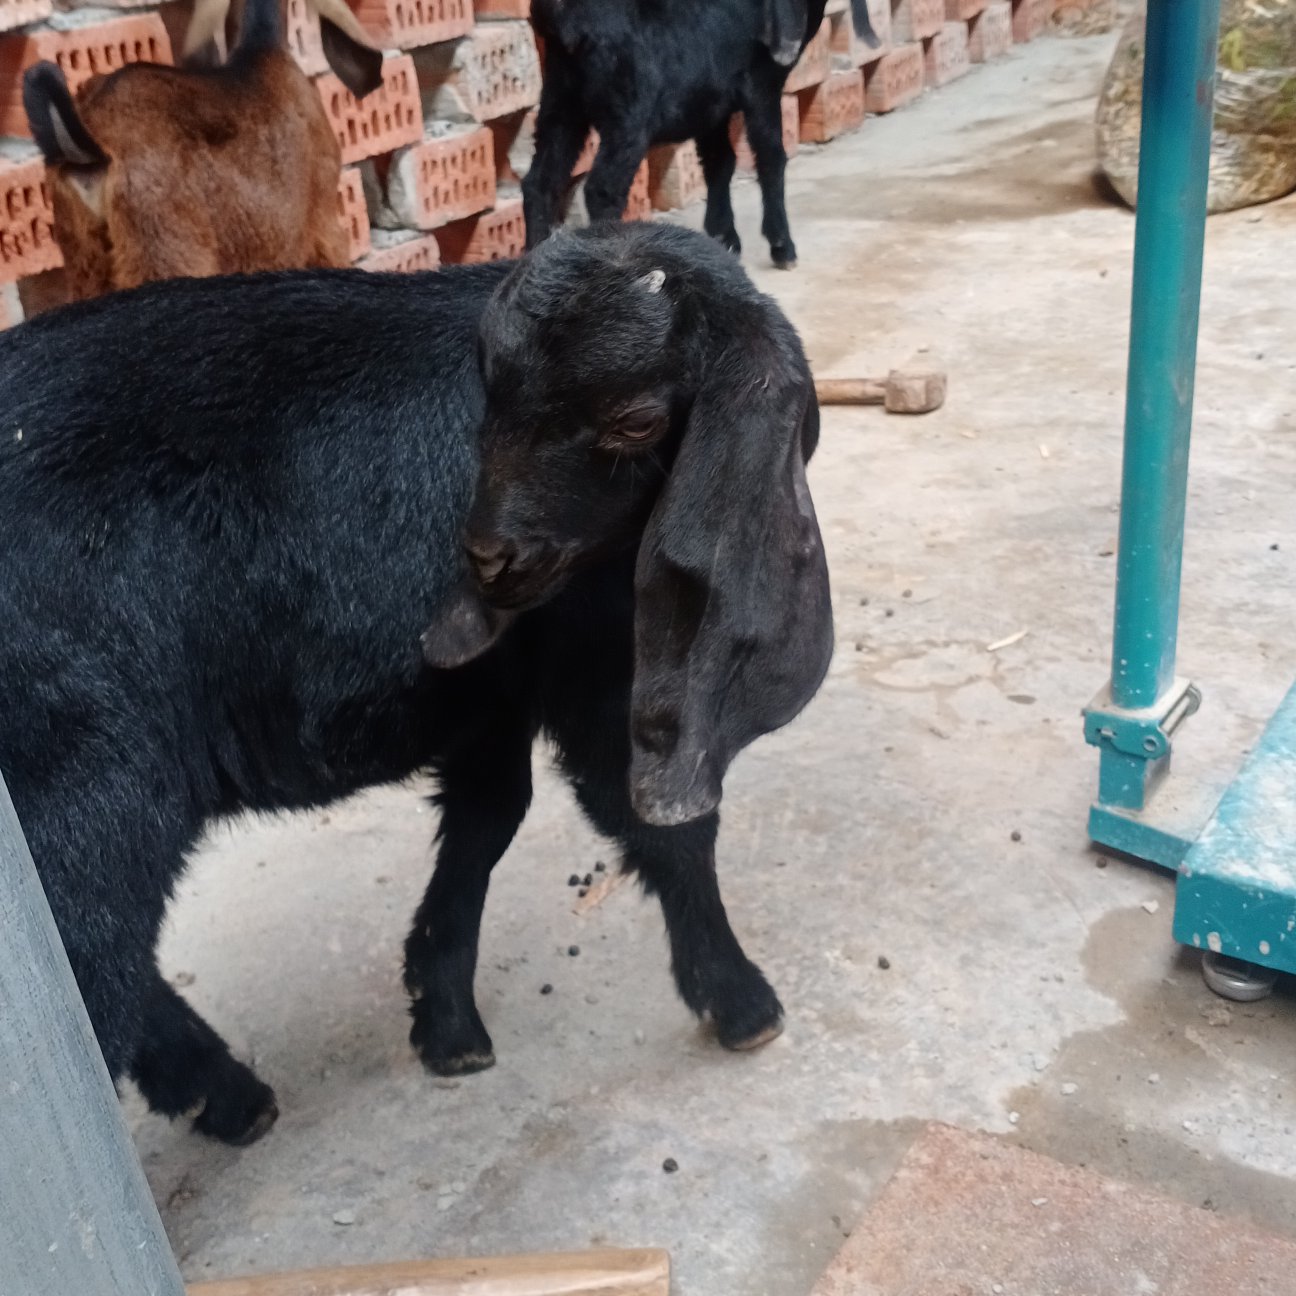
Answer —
1144 732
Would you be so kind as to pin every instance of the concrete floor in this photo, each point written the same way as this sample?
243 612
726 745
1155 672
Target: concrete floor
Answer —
1030 992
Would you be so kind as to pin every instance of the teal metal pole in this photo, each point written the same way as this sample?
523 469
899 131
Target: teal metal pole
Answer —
1174 157
1132 720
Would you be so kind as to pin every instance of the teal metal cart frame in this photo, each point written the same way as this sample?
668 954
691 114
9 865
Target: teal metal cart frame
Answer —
1236 891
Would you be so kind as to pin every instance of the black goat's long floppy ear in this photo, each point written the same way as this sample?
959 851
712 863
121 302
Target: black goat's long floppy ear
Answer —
733 620
783 29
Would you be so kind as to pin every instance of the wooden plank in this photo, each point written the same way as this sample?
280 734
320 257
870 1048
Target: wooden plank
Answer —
77 1213
587 1273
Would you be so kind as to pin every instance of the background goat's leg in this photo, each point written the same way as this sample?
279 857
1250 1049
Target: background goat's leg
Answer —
718 164
613 172
561 131
714 977
765 131
485 792
182 1065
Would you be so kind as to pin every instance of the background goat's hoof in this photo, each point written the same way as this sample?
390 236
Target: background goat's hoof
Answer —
459 1053
239 1114
729 239
749 1019
783 255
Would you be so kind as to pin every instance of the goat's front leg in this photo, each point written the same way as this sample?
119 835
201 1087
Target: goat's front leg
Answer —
718 162
764 115
608 188
485 792
561 131
715 978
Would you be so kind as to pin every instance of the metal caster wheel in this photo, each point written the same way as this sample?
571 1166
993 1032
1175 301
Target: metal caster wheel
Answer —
1236 979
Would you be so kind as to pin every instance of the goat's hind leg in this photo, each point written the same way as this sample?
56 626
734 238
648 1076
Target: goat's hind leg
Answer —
607 190
183 1066
718 163
485 792
561 131
764 116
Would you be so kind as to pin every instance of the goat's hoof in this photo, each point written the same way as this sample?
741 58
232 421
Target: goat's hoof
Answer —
239 1119
752 1042
784 257
451 1050
748 1018
461 1065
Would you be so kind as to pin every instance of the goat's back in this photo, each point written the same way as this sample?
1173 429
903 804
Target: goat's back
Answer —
234 498
218 171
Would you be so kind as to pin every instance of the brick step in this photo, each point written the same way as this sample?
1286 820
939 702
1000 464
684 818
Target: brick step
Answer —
895 79
914 20
493 236
990 33
833 108
437 181
945 55
353 213
83 45
27 242
675 176
406 24
402 252
385 120
491 73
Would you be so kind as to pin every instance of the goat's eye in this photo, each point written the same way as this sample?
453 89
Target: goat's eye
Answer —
631 430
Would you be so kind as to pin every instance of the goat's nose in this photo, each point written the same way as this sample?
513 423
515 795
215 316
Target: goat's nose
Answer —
489 559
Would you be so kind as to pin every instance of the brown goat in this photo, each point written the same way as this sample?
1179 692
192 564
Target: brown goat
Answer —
160 172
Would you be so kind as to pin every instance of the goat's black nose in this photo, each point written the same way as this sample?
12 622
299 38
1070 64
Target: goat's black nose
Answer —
490 559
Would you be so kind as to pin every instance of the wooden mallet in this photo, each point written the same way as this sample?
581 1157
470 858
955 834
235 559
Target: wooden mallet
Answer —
902 391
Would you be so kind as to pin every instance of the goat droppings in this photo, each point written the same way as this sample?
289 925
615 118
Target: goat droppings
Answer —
670 1165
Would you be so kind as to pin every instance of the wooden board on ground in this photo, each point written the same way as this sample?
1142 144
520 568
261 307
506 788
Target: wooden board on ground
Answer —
966 1213
586 1273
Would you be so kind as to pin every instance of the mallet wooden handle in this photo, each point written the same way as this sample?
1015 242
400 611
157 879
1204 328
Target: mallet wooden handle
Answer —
585 1273
850 391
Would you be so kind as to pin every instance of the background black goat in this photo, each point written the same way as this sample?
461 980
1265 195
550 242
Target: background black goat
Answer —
644 72
220 567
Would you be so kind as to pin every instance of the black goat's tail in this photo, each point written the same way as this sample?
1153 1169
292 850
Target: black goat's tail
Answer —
261 28
863 23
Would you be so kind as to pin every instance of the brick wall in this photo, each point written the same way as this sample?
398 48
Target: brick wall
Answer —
433 159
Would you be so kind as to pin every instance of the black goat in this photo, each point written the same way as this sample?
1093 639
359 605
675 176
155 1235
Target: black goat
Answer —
233 577
644 72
